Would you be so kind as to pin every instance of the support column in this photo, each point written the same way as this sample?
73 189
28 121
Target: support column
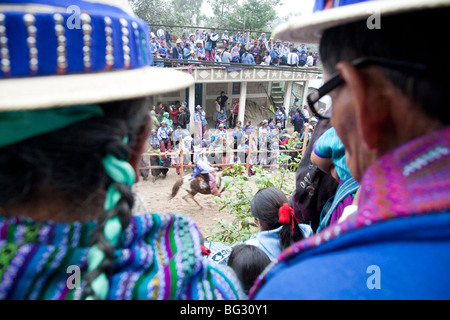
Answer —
287 97
305 92
192 126
242 100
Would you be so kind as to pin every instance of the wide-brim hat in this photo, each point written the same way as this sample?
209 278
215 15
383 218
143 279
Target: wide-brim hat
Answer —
309 28
93 53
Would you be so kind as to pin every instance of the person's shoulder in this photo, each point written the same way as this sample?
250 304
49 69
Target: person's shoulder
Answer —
390 256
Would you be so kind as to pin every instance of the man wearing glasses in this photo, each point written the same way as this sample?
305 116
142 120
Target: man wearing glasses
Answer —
390 109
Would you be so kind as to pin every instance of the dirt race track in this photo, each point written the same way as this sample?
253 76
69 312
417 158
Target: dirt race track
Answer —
156 195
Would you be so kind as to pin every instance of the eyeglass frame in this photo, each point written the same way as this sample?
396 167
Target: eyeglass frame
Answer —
336 80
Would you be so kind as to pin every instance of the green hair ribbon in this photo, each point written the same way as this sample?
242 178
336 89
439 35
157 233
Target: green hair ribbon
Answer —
122 172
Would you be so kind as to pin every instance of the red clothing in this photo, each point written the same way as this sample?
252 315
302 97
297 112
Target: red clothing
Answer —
174 115
284 140
235 109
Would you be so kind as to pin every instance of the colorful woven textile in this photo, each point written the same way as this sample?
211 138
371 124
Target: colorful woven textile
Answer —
158 257
412 180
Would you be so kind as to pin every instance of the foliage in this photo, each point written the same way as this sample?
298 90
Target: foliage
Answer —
169 12
236 199
254 15
239 193
223 11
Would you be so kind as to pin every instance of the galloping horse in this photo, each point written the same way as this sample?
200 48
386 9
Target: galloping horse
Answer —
196 185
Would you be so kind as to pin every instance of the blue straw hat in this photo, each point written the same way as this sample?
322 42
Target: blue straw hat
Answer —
71 52
309 28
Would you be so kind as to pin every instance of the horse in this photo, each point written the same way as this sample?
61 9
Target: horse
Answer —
196 185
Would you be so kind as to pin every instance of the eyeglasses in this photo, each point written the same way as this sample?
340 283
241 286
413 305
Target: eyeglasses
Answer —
336 80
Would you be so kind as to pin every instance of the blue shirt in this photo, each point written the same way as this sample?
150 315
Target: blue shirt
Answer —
247 58
164 132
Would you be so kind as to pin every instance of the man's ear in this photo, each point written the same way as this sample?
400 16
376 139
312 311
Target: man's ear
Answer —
370 108
139 146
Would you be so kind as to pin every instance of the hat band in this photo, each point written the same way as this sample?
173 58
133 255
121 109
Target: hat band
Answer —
16 126
79 38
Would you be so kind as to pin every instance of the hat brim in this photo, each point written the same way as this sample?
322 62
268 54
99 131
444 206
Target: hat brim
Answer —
77 89
309 28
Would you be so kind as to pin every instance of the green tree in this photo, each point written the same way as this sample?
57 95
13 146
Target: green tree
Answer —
254 15
223 10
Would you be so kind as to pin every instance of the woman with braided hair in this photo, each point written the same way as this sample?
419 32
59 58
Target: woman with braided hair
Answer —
279 228
69 158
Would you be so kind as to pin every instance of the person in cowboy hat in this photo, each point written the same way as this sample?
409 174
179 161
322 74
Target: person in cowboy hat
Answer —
205 169
389 110
74 120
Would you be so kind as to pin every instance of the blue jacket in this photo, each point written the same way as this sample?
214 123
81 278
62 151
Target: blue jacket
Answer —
396 259
247 58
269 241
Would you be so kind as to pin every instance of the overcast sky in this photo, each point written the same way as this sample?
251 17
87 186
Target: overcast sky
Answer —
289 6
294 6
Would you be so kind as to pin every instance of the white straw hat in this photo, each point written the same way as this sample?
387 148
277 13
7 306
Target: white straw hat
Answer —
49 61
309 28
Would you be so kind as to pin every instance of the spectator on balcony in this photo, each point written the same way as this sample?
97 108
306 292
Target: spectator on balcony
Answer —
226 55
266 60
160 34
154 45
218 56
254 52
211 44
309 60
235 51
186 51
247 58
160 56
192 56
263 38
275 55
261 53
184 35
225 39
177 51
199 50
302 57
191 40
292 58
168 38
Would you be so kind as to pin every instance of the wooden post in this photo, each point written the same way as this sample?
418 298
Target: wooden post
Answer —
181 146
249 151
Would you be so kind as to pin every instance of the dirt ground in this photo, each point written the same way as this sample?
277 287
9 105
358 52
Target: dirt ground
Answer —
156 195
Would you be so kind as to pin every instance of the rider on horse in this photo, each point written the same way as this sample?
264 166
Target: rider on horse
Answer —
205 170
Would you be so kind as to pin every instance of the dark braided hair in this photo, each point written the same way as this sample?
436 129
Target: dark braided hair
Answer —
67 164
265 206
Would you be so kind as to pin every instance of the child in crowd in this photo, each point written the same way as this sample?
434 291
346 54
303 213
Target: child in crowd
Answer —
248 262
279 228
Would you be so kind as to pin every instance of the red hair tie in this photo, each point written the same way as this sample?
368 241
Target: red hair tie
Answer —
205 251
285 213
